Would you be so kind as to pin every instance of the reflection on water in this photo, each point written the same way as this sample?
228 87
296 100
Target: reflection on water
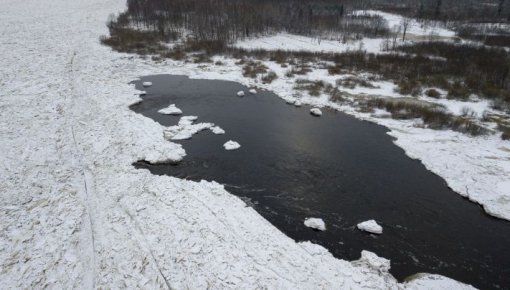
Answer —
292 166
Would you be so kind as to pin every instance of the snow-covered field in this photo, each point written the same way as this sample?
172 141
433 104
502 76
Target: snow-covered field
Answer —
76 214
292 42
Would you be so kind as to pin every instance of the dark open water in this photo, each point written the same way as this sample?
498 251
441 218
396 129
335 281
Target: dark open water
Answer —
292 165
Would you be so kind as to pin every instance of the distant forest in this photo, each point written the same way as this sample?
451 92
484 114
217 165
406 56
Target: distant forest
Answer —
225 21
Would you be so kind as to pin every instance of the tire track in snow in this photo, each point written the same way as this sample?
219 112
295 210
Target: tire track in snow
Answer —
79 157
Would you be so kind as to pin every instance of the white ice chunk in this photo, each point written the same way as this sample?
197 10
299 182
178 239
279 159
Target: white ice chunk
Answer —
147 84
370 226
253 91
316 112
171 110
298 103
240 93
231 145
185 129
217 130
315 223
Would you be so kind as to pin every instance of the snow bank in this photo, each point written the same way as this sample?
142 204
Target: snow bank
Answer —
315 223
76 214
370 226
374 262
316 112
171 110
231 145
434 282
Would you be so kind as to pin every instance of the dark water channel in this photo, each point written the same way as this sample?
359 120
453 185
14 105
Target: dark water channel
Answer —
292 165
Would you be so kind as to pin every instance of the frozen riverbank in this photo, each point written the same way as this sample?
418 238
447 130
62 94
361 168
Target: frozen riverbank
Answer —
76 214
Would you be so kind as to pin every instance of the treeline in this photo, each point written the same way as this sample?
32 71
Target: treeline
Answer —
225 21
449 10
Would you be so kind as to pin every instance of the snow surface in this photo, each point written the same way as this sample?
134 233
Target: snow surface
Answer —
315 223
76 214
231 145
171 110
316 112
370 226
415 27
416 31
293 42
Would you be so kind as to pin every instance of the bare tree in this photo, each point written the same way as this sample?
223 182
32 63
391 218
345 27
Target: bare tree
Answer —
405 25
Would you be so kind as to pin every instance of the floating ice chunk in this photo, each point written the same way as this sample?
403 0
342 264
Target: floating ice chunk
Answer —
217 130
240 93
253 91
315 223
290 101
142 93
171 110
370 226
298 103
187 120
147 84
185 129
316 112
231 145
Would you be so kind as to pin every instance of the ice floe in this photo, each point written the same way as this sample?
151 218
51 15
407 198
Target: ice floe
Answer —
370 226
231 145
240 94
147 84
315 223
171 110
217 130
316 112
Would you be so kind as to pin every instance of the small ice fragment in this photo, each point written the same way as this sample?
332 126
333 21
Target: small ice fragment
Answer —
290 102
147 84
315 223
298 103
142 93
240 93
171 110
231 145
370 226
253 91
217 130
316 112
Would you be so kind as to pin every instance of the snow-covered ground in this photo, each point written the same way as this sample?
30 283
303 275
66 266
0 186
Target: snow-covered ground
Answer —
415 27
76 214
291 42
